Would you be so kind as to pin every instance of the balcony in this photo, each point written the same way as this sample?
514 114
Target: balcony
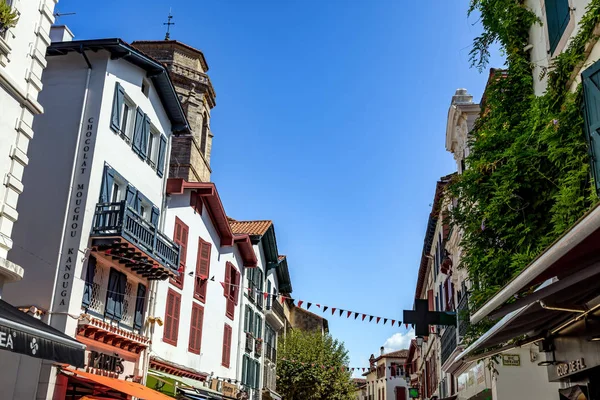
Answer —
270 352
275 314
449 342
121 233
249 343
462 312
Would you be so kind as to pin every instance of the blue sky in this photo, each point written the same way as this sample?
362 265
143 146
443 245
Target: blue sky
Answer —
330 120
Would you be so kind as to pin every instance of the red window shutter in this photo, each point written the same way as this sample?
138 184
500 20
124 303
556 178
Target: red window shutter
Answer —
236 288
430 299
230 312
226 346
176 309
181 238
171 331
202 269
228 282
193 328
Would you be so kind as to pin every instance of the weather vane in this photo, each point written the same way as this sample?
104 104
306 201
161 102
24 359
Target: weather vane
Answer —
168 24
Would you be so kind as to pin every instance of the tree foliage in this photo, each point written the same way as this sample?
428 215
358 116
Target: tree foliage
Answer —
527 178
300 375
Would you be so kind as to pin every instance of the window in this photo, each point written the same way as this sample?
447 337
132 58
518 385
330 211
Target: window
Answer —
202 269
115 294
127 119
558 14
196 328
249 320
171 330
181 238
140 305
226 357
231 289
258 326
154 141
204 136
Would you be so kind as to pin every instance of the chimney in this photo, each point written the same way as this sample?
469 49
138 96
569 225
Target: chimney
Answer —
462 96
381 350
60 33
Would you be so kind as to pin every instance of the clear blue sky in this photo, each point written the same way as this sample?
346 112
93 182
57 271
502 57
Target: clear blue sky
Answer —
330 120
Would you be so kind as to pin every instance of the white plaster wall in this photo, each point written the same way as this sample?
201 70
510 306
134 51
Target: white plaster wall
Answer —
22 55
391 384
209 360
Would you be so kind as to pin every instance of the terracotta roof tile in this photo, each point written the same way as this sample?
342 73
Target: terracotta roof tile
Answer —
253 228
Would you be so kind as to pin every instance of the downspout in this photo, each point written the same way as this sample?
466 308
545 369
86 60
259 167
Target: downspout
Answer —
241 324
154 284
73 169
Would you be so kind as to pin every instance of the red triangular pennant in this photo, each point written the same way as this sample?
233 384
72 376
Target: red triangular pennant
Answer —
333 311
364 316
300 303
282 299
393 322
349 313
405 325
265 295
223 284
318 305
378 319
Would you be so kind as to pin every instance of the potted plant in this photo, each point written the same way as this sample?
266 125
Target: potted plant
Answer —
8 17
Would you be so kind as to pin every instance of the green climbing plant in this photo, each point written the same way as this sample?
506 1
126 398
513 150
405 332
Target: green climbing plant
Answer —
527 178
8 16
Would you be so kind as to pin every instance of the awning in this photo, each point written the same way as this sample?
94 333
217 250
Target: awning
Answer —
21 333
172 384
485 394
576 392
450 398
127 387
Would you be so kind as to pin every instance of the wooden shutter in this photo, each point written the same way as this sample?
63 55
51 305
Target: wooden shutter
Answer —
430 298
108 179
558 15
180 236
115 294
138 131
131 197
117 108
245 370
400 393
145 134
591 93
227 286
171 331
236 282
140 303
226 357
89 282
202 269
154 216
196 329
162 148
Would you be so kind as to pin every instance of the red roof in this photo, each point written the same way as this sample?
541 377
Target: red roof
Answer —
252 228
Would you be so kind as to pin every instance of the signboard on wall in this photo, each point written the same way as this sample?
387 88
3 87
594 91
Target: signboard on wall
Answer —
511 360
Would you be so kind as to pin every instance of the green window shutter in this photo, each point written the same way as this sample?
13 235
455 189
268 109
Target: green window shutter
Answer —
558 15
160 166
244 369
145 137
138 131
258 327
117 108
591 100
256 375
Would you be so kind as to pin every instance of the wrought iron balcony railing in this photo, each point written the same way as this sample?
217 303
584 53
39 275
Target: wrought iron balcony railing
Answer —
117 219
462 314
449 342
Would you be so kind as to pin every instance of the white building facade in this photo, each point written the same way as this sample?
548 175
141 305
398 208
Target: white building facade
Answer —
196 346
94 264
22 62
386 378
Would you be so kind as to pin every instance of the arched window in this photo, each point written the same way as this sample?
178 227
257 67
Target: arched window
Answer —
204 133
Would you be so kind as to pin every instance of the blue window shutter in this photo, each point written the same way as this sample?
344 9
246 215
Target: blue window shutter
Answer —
154 216
121 283
107 183
144 137
138 202
591 106
160 166
109 308
558 16
117 108
140 303
138 130
89 282
131 196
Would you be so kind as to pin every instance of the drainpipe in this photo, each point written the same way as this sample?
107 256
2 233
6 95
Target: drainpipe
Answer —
241 323
73 169
154 284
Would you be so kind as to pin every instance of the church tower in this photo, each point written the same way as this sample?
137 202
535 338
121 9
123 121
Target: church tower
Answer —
190 153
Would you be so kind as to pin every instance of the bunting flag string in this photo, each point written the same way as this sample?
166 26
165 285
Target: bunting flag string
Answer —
395 371
307 305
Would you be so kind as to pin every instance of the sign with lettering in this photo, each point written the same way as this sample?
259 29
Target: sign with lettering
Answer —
70 253
511 360
229 389
105 362
571 367
480 373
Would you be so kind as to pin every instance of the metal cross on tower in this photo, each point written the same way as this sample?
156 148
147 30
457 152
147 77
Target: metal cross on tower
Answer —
168 24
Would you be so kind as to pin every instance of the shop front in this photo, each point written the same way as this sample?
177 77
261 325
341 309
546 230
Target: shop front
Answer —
557 307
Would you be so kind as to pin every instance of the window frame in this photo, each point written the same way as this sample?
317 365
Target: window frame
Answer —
127 121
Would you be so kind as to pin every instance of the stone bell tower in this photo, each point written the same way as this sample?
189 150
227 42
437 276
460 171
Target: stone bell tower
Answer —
190 154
